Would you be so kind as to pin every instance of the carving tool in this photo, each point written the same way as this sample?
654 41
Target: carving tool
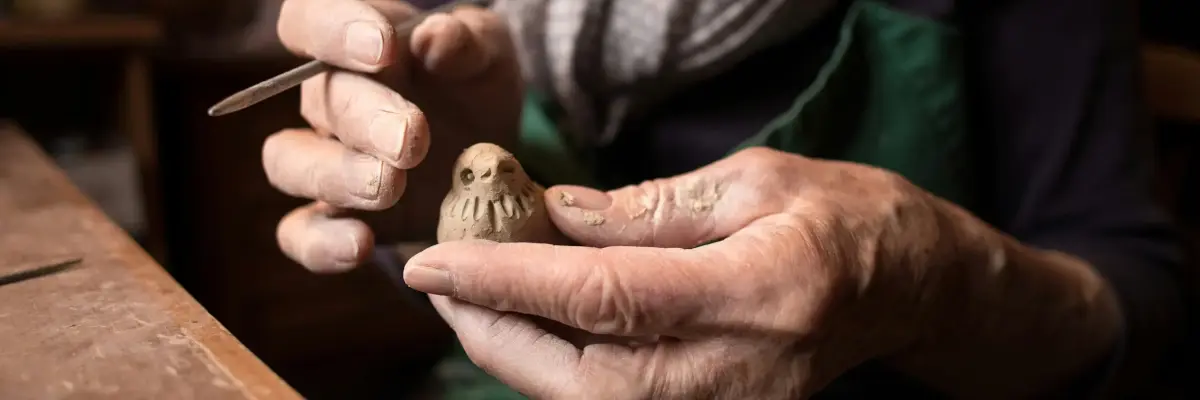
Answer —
38 272
287 80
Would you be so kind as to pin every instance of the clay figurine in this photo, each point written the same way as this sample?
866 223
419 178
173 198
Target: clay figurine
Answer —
492 198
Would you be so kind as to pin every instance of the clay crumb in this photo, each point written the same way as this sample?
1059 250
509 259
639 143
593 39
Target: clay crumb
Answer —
644 204
566 199
699 196
592 218
637 212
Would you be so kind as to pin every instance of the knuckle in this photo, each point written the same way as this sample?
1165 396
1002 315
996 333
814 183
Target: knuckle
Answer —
272 150
753 152
758 154
649 203
312 101
285 26
312 179
343 101
646 198
762 161
657 197
893 183
661 200
603 304
764 167
883 187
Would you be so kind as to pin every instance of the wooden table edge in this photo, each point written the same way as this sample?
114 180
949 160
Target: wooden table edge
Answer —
253 377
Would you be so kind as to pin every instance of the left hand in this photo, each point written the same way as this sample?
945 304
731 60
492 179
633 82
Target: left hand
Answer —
814 267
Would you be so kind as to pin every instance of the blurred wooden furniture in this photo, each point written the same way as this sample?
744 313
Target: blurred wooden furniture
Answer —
134 39
115 326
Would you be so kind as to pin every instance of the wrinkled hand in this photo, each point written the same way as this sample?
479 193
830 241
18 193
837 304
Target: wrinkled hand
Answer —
804 268
455 75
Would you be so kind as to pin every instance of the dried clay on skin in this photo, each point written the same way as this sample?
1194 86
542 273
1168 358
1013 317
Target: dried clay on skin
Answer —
589 217
492 198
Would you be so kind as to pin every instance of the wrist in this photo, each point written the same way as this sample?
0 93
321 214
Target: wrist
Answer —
1009 320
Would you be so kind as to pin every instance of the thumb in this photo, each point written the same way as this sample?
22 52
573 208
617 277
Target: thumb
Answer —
684 211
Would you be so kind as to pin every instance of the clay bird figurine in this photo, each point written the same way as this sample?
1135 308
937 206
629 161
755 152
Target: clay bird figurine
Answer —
492 198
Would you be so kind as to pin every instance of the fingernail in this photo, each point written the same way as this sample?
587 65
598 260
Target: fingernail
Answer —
345 255
387 132
365 171
364 42
339 246
583 198
429 280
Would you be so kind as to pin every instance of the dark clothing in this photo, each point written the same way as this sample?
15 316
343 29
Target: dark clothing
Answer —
1056 110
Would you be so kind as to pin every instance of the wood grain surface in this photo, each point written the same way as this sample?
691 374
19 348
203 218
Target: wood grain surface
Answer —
115 326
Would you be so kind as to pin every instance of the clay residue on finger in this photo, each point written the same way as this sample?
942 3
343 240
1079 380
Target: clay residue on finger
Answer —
566 199
592 218
698 195
589 217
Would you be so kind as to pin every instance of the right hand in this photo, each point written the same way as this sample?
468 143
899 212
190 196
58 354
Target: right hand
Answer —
457 74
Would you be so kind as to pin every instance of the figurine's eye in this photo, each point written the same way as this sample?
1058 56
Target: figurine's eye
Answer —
467 176
507 167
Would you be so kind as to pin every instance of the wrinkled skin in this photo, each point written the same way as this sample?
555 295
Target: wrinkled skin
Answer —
764 275
456 75
819 266
811 268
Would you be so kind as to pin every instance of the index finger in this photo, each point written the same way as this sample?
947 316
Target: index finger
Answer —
624 291
350 34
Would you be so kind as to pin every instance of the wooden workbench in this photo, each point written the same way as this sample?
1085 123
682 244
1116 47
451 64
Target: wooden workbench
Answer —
115 326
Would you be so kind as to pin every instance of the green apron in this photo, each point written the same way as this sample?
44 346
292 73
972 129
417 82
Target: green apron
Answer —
890 95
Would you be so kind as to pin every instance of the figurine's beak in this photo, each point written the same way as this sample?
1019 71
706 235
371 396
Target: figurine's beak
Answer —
488 172
488 175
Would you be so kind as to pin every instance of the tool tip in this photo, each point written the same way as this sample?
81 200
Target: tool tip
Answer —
224 107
